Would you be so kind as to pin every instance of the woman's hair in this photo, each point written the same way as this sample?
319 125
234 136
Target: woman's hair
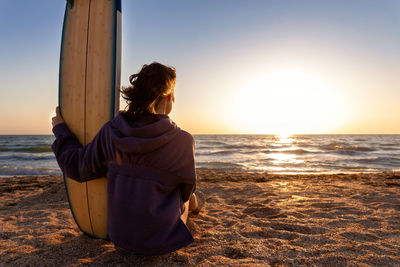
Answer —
147 87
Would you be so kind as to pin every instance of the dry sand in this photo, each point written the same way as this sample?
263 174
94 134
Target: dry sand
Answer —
249 219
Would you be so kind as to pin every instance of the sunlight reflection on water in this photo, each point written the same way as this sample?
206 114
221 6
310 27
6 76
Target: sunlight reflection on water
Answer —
299 153
283 142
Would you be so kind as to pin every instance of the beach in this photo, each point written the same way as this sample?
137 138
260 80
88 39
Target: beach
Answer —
249 219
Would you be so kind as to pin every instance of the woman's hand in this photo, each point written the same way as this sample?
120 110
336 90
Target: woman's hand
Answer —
58 118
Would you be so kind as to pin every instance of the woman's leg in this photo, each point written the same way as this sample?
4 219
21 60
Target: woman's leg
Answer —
193 203
185 213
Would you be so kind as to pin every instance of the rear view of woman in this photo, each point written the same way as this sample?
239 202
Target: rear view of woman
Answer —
149 164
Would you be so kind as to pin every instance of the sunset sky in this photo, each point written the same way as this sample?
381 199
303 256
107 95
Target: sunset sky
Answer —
265 67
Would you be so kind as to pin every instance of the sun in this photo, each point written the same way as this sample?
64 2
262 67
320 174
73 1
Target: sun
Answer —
286 101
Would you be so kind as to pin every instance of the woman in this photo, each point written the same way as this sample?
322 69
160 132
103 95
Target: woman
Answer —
149 164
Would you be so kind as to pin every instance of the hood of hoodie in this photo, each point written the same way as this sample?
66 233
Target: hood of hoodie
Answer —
142 137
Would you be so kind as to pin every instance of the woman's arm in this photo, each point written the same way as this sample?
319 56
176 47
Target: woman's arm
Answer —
187 167
78 162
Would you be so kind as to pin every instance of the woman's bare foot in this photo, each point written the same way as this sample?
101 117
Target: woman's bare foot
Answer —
196 203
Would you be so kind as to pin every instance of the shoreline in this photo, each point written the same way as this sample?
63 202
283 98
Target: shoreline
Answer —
389 172
249 219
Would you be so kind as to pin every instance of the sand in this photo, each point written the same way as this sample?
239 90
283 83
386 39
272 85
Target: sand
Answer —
249 219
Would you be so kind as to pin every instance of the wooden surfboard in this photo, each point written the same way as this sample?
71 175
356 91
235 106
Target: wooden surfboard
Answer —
89 82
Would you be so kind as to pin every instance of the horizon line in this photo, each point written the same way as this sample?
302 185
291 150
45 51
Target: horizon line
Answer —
22 134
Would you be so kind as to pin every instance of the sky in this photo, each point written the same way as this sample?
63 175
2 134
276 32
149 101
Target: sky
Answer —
243 67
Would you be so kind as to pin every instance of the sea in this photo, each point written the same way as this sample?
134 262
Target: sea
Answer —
22 155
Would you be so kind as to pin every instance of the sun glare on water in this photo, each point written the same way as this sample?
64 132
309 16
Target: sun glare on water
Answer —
287 101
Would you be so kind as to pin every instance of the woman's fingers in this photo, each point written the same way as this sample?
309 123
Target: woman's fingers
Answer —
58 118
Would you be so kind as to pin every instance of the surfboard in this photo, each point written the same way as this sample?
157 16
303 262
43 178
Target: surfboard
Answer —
89 82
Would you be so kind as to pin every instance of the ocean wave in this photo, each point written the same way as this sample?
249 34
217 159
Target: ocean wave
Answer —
345 148
214 153
390 148
33 149
242 146
219 165
232 147
225 152
212 143
26 157
388 161
390 145
27 170
298 151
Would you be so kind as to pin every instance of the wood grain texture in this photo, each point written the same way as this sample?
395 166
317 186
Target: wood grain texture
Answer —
98 97
72 91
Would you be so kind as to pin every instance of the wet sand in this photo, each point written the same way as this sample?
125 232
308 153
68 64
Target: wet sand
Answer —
249 219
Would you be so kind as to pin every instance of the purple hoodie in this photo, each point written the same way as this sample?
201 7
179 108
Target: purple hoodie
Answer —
147 188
